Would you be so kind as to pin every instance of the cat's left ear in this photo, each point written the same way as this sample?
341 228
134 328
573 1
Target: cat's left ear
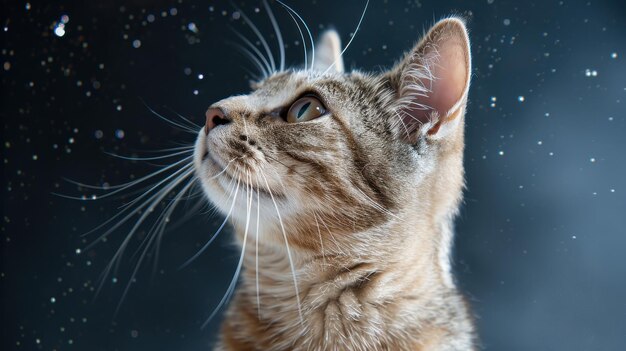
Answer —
328 52
432 82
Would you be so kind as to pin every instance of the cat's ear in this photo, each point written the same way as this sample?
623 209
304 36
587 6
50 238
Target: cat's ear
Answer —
328 52
432 82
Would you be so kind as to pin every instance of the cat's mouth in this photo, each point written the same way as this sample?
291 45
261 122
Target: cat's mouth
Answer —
246 184
240 179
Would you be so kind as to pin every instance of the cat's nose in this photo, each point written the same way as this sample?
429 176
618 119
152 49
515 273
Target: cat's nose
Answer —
215 117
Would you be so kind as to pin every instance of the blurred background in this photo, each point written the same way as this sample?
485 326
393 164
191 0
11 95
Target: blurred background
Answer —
541 240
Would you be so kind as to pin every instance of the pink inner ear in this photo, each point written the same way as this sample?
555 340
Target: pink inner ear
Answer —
446 63
450 79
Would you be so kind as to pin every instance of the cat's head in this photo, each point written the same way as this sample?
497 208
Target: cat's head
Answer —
324 155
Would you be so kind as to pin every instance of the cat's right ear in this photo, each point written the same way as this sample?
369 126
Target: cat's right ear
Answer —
432 83
328 53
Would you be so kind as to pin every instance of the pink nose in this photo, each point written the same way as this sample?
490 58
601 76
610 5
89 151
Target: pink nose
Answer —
214 117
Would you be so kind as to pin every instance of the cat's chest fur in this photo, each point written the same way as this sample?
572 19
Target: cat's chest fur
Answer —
360 306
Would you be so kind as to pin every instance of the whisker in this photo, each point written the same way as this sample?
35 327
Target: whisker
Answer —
152 202
219 230
160 195
225 168
261 74
358 26
135 210
157 247
256 259
192 124
261 39
148 158
190 165
306 56
191 196
121 187
188 147
182 127
121 212
282 227
305 27
212 209
279 36
191 211
152 235
259 58
130 203
233 282
154 227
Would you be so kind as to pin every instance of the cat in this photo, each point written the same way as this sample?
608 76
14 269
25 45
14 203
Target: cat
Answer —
342 188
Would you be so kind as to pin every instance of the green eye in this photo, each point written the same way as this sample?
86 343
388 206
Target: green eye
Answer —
305 109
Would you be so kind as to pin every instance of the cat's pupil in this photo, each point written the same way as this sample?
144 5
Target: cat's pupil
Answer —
303 109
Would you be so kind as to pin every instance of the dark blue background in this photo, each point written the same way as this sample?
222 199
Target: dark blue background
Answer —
540 240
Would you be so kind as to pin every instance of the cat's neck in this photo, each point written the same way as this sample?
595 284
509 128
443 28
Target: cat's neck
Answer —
304 300
322 278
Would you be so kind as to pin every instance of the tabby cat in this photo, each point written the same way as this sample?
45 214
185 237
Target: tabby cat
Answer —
342 188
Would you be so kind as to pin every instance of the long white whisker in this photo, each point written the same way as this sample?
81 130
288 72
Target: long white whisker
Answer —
261 39
256 261
248 201
183 127
306 56
225 168
157 248
266 67
358 26
282 227
262 73
233 282
121 187
145 242
152 202
305 27
148 158
123 220
169 149
176 175
152 235
130 203
219 230
192 124
190 165
194 210
279 36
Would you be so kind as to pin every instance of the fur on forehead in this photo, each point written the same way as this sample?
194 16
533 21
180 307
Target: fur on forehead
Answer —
281 88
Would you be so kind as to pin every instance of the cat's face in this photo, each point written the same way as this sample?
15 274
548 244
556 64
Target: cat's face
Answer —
318 153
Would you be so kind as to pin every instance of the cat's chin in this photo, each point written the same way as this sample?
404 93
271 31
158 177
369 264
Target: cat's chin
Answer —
221 179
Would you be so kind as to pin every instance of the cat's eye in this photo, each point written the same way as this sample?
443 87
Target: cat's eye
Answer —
305 109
